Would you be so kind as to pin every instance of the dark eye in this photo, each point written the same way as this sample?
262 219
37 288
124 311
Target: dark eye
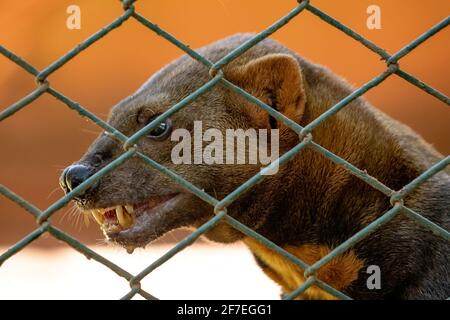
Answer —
161 131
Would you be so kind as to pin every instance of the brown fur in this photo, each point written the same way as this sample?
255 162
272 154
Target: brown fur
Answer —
311 205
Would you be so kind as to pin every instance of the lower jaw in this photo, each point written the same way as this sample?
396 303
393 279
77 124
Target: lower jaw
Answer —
147 226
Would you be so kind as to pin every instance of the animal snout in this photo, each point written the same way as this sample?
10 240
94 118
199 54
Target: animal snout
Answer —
73 176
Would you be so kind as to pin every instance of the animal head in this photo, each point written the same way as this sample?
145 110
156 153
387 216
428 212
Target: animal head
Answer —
135 204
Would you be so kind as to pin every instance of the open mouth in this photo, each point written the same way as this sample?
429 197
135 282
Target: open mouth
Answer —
122 217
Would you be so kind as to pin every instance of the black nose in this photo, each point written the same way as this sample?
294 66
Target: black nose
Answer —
73 176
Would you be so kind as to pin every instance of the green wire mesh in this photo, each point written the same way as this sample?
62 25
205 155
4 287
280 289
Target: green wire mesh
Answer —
305 141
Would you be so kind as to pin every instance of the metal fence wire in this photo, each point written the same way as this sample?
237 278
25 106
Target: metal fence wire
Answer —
220 206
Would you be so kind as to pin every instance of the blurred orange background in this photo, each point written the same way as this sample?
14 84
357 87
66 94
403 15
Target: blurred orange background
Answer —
40 140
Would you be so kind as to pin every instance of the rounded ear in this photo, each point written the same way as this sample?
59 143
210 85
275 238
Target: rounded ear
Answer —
275 79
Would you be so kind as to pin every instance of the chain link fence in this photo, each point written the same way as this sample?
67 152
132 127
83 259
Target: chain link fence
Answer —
220 206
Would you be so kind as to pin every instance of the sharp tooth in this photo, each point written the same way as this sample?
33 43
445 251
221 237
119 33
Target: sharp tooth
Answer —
98 216
130 209
125 219
130 220
120 215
